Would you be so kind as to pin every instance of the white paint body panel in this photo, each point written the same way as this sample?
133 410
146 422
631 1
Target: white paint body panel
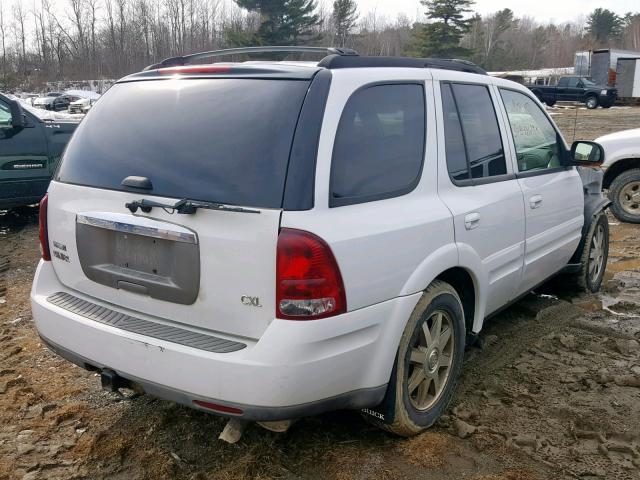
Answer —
388 252
619 146
554 225
293 363
237 257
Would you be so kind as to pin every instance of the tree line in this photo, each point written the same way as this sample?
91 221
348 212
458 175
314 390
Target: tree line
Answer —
92 39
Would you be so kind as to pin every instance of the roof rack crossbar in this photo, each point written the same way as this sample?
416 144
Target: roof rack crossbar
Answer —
336 62
187 59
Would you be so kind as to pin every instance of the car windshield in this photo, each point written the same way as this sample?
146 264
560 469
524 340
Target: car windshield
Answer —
222 140
588 82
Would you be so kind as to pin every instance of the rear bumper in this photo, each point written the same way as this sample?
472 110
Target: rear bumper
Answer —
295 369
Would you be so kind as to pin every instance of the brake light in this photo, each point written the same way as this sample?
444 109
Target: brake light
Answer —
43 231
194 69
308 281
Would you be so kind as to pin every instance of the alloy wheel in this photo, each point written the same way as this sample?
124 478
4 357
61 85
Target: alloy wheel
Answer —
630 198
430 360
596 254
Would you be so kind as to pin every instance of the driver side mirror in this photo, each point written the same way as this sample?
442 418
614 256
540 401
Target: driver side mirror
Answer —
586 154
17 115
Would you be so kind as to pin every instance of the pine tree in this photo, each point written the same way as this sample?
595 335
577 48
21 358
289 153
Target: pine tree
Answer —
441 37
604 25
282 22
344 18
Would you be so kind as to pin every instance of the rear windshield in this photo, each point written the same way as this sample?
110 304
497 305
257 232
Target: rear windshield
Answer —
220 140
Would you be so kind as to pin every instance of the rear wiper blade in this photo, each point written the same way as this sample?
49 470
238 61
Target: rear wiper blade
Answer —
184 206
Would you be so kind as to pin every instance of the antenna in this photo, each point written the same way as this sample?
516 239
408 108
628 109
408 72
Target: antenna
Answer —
575 123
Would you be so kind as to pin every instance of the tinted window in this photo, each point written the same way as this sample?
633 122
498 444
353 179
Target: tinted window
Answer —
537 143
454 141
5 115
379 145
573 82
223 140
469 113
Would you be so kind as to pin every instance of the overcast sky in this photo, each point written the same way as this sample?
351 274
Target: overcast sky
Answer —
542 10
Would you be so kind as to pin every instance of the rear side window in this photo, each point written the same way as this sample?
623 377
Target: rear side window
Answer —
379 147
472 136
223 140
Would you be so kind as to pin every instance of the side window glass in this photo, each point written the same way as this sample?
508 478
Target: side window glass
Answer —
573 82
454 141
537 143
5 115
473 142
379 146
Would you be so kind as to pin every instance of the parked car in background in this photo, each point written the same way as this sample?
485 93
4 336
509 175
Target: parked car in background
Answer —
85 101
61 103
81 105
333 249
575 89
622 173
31 142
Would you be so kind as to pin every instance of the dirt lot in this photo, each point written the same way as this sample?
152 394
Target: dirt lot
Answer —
552 391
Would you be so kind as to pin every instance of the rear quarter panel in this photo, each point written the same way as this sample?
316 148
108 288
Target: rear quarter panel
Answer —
386 248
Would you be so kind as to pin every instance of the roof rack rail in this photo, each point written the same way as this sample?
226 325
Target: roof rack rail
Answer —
187 59
336 62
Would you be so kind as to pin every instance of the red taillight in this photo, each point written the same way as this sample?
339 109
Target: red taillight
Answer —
218 408
43 231
194 69
308 280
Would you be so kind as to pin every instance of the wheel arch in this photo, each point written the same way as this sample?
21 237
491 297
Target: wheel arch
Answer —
618 167
593 205
463 274
463 283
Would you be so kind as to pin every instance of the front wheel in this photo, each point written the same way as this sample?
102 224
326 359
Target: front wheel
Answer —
550 103
429 360
595 254
624 193
591 103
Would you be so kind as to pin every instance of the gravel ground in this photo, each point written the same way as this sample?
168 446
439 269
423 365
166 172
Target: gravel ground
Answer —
551 391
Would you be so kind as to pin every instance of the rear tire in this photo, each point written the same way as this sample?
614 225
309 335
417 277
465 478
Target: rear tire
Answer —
550 103
624 193
591 102
593 262
428 361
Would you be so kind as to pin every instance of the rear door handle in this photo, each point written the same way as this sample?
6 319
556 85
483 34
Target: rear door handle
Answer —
471 220
535 201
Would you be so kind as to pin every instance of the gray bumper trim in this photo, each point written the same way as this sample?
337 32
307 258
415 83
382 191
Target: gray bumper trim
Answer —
356 399
131 324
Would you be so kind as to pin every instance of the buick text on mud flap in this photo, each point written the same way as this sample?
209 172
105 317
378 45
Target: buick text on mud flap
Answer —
373 413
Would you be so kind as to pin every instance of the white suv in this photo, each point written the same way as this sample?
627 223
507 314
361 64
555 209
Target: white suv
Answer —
271 240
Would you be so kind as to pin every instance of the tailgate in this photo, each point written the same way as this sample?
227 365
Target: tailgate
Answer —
213 270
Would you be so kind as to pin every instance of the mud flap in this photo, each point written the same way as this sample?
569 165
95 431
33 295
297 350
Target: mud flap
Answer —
385 412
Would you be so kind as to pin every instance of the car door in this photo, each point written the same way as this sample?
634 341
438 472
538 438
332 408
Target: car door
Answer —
480 189
567 89
24 164
553 193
